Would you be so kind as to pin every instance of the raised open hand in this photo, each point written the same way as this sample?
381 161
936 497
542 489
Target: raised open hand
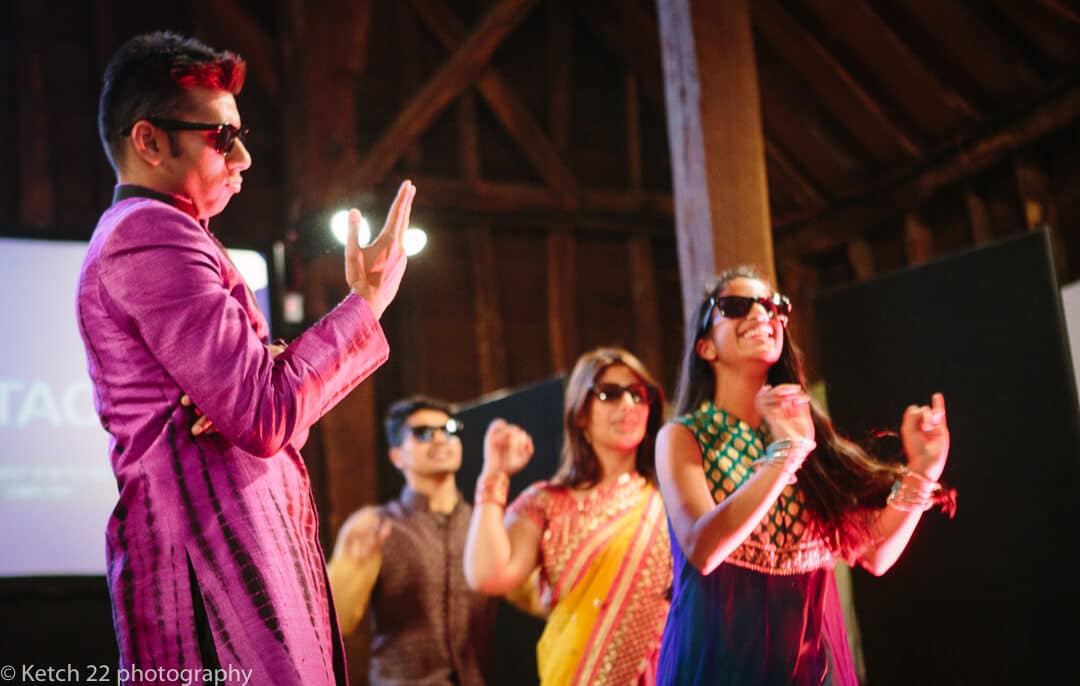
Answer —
374 272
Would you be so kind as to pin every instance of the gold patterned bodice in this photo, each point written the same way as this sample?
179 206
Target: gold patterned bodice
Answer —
784 542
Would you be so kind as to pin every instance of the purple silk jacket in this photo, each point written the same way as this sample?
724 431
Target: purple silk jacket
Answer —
224 524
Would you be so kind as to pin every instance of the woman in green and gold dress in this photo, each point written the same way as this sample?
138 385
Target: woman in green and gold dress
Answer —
763 497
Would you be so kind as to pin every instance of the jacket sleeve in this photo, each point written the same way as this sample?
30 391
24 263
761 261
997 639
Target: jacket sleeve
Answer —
161 278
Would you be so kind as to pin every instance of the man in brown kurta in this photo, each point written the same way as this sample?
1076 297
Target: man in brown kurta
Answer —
404 562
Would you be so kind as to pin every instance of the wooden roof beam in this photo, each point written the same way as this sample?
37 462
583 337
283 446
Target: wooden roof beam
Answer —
500 204
952 94
510 112
828 76
633 35
465 65
805 191
863 211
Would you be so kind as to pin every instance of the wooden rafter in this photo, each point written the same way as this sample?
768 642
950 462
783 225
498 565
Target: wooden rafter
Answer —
850 34
502 204
965 38
560 62
863 211
853 99
1050 32
501 196
804 191
629 32
1061 10
510 112
952 95
463 67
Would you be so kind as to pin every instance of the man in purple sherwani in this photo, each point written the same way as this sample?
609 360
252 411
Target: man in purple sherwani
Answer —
213 556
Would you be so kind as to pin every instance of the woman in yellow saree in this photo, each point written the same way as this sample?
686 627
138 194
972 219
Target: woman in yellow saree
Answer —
596 533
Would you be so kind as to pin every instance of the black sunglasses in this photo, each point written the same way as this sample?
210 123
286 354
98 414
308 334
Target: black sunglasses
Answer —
738 306
424 433
640 392
225 136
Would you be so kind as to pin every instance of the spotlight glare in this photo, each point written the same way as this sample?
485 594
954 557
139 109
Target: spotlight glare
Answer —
339 226
415 239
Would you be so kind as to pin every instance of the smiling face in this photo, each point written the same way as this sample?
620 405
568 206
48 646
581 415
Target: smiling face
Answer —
617 422
435 457
757 338
199 172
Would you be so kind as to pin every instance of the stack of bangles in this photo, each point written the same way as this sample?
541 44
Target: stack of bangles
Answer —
788 454
492 489
913 495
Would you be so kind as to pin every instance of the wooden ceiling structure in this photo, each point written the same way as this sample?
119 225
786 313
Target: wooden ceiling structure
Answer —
894 131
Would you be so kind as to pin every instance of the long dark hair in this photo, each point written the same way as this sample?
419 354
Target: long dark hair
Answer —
842 482
579 467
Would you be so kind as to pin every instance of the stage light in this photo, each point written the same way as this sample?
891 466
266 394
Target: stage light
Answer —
415 239
339 226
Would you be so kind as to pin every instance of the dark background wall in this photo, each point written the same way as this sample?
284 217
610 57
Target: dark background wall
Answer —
986 598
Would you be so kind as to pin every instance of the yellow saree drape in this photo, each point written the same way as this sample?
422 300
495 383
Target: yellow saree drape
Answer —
601 577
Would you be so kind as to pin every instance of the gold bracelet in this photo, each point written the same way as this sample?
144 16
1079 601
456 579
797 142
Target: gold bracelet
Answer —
492 489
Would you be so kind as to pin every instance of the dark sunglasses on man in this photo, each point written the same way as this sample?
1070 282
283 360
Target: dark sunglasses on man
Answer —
426 432
224 138
738 306
640 392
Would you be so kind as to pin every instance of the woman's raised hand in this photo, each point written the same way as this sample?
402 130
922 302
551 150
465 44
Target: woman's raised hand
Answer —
507 447
786 409
926 437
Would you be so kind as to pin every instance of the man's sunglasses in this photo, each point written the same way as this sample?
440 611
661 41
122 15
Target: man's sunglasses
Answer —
640 392
424 432
738 306
225 135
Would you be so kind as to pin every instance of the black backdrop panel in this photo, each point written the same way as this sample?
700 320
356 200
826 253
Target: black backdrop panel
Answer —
989 597
538 410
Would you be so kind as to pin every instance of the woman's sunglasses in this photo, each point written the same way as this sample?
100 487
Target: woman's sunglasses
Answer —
640 392
425 433
738 306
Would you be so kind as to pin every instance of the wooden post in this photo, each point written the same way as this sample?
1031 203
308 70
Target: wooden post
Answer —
490 341
861 257
798 281
978 217
1040 209
560 62
561 285
918 240
32 137
717 146
647 344
633 133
